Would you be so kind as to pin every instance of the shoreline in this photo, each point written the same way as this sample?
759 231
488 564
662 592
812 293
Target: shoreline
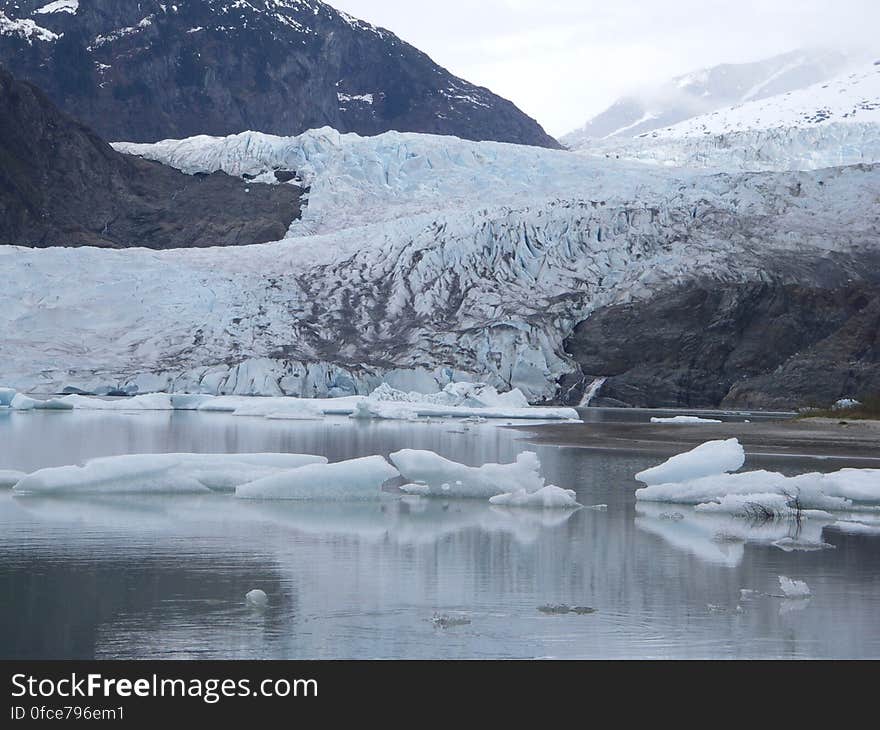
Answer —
817 438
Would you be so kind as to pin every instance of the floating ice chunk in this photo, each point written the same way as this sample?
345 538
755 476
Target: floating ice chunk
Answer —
712 457
9 478
189 401
161 473
845 403
445 478
6 396
684 420
355 479
257 598
793 588
23 403
549 497
140 473
846 489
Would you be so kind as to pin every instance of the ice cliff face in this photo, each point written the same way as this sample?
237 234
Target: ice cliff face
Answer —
418 260
836 122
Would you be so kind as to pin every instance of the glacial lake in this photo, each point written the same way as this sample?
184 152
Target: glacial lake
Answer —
165 577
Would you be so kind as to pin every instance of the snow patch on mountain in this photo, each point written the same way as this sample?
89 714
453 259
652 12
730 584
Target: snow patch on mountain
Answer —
26 29
59 6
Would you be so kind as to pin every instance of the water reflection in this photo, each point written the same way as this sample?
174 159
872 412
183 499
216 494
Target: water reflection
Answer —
166 577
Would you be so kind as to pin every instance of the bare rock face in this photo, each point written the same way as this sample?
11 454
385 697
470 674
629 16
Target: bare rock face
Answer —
62 185
140 71
751 345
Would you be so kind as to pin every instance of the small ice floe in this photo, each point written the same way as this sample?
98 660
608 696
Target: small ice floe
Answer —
716 608
257 598
444 621
597 507
792 588
354 479
792 545
549 497
684 420
436 476
9 478
559 609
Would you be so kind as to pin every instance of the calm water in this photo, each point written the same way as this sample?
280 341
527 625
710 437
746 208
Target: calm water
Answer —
165 577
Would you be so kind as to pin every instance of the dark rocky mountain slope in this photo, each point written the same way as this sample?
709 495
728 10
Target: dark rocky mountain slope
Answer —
140 70
754 345
61 184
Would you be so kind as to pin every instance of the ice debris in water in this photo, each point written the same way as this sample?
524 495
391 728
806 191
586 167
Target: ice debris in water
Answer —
707 459
354 479
684 420
9 478
444 621
161 473
557 609
436 476
549 497
257 598
794 588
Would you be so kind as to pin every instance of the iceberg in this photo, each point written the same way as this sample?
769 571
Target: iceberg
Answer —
439 477
355 479
257 598
9 478
794 588
549 497
710 458
23 403
6 396
160 473
684 420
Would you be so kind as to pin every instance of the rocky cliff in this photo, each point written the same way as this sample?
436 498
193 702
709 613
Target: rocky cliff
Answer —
61 184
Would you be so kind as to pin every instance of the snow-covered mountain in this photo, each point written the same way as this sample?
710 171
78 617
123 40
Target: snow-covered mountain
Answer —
146 70
835 122
418 259
706 90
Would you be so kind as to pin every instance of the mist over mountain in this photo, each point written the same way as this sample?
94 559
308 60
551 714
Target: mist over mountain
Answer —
706 90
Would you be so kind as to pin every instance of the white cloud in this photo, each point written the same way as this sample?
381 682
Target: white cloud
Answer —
562 61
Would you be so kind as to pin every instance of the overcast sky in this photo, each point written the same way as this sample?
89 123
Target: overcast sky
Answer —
562 61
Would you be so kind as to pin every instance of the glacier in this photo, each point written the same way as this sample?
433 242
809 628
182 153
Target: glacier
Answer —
419 261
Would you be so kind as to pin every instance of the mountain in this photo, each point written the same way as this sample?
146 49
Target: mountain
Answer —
60 184
141 70
704 91
834 122
420 259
